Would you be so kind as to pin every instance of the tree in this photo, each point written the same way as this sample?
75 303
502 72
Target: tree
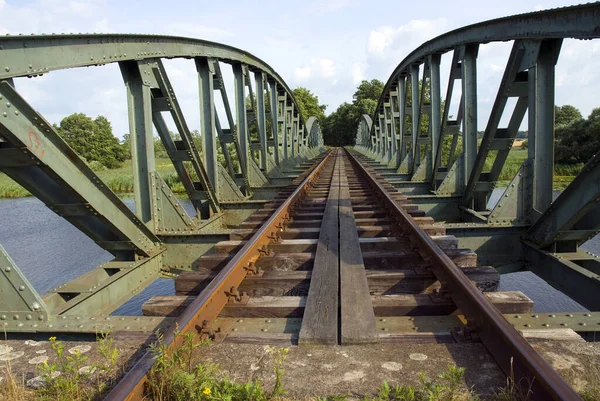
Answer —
340 127
579 140
309 104
92 139
565 115
368 90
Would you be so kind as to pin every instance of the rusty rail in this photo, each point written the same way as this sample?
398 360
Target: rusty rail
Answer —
209 303
510 350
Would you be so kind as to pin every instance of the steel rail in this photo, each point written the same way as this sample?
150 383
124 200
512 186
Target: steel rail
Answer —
34 55
577 22
209 303
510 350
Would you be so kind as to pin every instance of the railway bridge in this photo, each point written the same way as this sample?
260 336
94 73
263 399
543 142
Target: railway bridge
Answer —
290 242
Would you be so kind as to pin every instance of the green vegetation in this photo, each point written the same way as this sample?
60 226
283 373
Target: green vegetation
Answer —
340 126
309 104
176 376
92 139
68 377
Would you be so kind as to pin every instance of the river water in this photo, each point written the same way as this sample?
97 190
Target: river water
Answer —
50 251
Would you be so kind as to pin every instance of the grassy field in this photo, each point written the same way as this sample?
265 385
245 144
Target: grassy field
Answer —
121 180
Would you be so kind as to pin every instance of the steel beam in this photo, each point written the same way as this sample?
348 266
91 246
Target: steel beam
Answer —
261 119
563 273
541 122
469 99
66 184
139 102
575 214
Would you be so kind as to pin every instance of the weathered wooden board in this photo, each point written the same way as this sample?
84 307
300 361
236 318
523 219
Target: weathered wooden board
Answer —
320 320
357 325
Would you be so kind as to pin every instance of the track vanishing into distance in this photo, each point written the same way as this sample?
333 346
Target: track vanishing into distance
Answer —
339 258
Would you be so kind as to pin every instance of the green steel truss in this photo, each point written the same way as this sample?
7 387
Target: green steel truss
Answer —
525 229
160 237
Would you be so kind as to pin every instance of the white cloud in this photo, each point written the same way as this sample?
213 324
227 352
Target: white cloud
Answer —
384 39
358 72
318 68
302 73
380 38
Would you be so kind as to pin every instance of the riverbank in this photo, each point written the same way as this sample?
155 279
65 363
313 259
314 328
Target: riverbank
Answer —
120 180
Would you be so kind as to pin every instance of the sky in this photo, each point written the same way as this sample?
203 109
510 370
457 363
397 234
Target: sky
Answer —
327 46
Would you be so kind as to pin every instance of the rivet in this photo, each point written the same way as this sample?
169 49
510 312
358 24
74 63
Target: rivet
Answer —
16 317
28 317
7 269
21 288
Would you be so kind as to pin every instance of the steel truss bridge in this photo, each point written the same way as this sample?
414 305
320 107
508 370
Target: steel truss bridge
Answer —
278 154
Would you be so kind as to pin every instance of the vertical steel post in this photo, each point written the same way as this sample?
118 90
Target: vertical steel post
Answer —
241 117
541 122
469 98
382 132
207 119
274 119
260 118
435 115
394 138
414 80
139 104
402 119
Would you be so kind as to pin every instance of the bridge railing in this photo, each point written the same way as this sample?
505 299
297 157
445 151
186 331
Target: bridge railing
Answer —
412 122
263 123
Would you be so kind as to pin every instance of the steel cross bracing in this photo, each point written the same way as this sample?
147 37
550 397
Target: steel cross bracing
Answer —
525 229
272 144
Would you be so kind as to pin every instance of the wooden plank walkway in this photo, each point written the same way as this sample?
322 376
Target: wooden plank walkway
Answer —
357 315
320 321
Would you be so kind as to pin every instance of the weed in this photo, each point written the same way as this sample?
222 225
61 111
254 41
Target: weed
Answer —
514 390
108 350
11 387
64 379
447 386
279 357
591 392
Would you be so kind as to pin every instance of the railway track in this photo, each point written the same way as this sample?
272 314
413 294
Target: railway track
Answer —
341 257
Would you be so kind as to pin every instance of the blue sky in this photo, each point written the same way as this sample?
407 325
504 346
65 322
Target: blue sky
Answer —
326 46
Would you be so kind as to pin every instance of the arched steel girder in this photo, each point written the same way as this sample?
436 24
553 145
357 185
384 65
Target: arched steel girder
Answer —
537 38
313 132
149 93
363 137
35 155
